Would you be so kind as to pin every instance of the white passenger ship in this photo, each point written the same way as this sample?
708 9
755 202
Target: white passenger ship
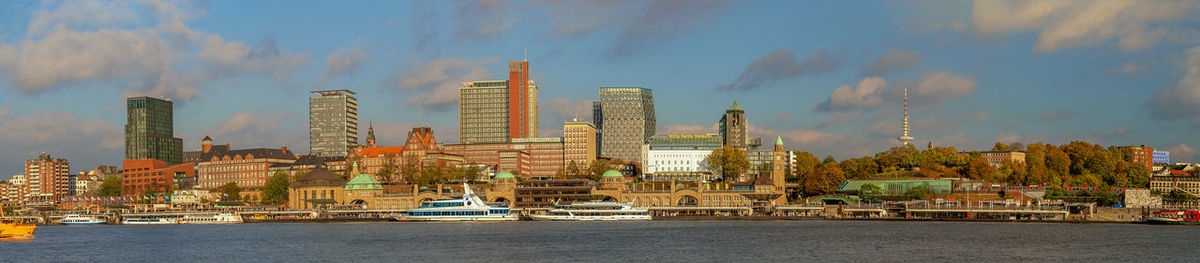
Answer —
222 218
148 221
69 220
468 208
595 211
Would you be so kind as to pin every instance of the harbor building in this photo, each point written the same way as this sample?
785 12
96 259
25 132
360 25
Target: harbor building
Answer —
150 131
139 176
680 157
332 122
625 121
497 111
321 188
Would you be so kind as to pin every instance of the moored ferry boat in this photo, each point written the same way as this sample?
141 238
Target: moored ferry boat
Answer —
595 211
14 229
468 208
222 218
147 221
1189 217
70 220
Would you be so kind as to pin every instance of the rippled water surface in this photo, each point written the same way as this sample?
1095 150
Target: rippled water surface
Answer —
654 241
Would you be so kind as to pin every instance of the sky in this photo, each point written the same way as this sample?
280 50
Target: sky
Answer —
828 77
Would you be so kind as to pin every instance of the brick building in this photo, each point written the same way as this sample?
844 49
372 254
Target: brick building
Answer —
248 168
139 176
47 179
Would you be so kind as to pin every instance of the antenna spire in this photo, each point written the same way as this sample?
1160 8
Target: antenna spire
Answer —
904 137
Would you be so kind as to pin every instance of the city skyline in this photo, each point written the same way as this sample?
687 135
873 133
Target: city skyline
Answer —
826 78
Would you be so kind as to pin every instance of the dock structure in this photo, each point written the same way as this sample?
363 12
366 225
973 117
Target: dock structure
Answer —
987 213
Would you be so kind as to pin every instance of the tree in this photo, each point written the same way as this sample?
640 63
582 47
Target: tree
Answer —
979 168
110 187
1000 147
868 192
729 161
596 170
859 168
825 180
1016 146
765 169
275 190
806 163
231 192
389 169
919 192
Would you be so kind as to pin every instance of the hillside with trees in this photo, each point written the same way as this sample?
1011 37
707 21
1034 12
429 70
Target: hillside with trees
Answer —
1074 164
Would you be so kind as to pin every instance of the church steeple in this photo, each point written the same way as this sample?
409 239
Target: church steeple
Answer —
371 134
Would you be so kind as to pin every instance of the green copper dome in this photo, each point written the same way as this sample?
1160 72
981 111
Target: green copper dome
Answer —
735 107
363 182
778 140
503 175
612 173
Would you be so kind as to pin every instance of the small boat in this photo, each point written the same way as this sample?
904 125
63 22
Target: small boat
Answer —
595 211
222 218
72 220
147 221
1185 217
13 229
468 208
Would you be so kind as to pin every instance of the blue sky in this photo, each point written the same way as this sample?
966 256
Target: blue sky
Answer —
826 76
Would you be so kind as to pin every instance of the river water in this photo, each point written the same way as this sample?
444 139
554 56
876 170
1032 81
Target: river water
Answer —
653 241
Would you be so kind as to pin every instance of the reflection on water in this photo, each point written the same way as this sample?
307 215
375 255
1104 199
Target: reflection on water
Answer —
740 241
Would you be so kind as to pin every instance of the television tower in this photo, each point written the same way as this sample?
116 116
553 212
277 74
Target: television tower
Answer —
904 138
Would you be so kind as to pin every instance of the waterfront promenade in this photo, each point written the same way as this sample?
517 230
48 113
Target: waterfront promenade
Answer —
785 212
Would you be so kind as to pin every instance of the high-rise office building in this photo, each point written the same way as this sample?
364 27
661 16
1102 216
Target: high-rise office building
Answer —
625 121
150 131
332 122
733 127
579 142
495 111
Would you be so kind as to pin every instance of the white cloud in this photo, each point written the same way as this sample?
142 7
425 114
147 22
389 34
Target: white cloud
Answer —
60 129
82 13
941 85
779 65
259 130
86 41
344 60
1183 99
1182 153
1135 25
483 19
893 60
436 82
868 94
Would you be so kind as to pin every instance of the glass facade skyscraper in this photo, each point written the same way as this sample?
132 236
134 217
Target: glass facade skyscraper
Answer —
625 121
332 122
150 131
497 111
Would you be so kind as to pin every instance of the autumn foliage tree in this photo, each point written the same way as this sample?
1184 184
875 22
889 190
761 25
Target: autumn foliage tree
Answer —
729 161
